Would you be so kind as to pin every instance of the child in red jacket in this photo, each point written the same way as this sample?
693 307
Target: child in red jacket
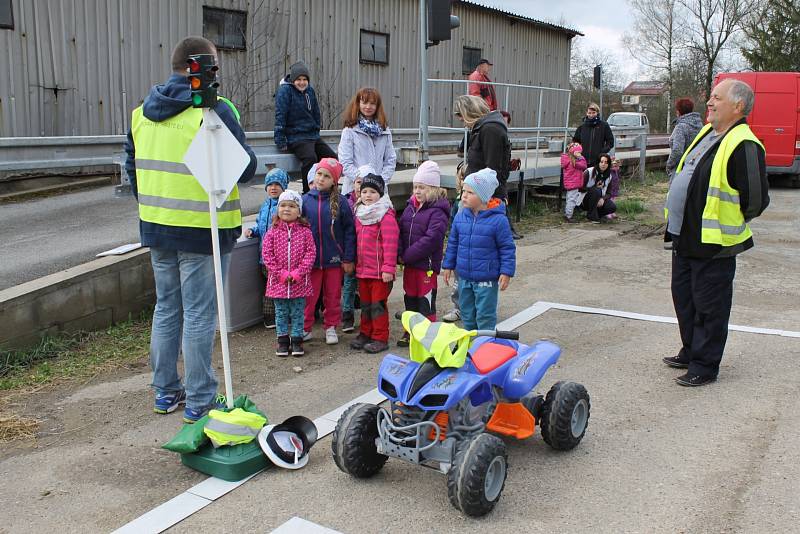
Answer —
376 261
289 254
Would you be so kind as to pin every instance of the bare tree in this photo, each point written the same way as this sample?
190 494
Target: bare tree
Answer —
713 25
582 63
656 39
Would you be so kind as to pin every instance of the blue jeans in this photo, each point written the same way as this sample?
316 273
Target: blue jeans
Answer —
185 321
289 311
478 304
349 289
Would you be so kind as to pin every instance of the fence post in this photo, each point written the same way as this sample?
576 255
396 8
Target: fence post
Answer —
642 155
520 193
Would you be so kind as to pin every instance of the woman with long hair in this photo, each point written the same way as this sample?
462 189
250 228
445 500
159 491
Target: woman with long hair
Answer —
366 139
488 144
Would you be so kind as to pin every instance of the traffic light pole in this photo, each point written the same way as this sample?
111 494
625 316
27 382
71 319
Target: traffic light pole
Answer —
423 63
211 124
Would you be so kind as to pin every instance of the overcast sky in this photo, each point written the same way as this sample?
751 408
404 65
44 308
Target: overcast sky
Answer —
602 26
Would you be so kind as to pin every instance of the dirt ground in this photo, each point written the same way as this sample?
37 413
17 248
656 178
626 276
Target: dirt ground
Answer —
657 458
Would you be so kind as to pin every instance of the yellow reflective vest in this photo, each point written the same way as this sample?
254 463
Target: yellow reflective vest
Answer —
233 428
722 222
444 342
168 193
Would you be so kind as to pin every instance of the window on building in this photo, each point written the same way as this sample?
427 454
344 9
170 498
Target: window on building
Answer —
374 47
469 59
6 15
225 28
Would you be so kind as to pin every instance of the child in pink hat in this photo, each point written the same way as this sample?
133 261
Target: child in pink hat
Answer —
573 164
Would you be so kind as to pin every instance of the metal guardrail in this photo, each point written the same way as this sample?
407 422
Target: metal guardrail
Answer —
28 155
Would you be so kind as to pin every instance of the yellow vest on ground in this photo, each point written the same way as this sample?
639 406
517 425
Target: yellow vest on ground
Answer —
168 193
723 222
445 342
233 428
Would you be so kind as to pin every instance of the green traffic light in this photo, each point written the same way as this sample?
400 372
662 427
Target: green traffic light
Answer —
197 99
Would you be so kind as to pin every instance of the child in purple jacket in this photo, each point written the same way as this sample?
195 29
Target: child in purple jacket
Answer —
422 229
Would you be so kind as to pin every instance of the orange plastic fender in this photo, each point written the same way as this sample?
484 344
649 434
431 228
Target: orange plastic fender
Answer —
512 419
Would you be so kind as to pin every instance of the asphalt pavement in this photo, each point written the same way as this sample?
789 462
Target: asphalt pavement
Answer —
656 457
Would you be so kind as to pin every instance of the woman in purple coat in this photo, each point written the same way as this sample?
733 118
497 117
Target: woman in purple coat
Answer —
423 226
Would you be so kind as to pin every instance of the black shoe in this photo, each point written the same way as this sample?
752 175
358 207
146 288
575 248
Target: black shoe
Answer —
297 347
359 342
515 235
693 380
375 346
676 362
404 341
283 347
348 322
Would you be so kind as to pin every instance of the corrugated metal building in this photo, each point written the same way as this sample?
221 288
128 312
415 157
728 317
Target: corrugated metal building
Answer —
78 67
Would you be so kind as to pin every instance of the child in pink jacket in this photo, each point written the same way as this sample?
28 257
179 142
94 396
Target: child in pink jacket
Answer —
376 261
573 163
289 254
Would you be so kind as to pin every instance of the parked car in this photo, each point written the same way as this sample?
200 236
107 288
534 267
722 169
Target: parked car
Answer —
625 119
775 118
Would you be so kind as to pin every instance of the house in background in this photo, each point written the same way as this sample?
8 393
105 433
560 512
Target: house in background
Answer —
650 98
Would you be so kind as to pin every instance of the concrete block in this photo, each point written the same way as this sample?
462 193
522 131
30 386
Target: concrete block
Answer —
66 303
18 317
97 320
106 289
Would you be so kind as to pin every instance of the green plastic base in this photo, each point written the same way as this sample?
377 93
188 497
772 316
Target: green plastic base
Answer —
228 463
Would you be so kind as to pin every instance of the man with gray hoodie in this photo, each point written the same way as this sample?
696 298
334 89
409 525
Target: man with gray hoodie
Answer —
687 125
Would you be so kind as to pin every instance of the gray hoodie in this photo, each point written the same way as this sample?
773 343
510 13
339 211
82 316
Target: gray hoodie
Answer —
686 129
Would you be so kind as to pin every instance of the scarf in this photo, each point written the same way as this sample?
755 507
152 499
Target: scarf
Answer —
373 213
593 121
371 128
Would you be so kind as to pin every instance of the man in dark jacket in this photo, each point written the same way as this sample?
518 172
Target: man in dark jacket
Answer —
594 135
720 184
175 223
298 121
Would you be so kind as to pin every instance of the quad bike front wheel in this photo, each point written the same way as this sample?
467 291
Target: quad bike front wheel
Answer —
353 446
478 474
565 415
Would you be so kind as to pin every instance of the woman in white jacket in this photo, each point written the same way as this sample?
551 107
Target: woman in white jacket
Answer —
365 139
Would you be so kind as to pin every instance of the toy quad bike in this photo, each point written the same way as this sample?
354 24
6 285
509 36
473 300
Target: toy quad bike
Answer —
450 402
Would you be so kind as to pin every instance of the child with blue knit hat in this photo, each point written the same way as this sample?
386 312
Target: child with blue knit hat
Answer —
275 183
481 250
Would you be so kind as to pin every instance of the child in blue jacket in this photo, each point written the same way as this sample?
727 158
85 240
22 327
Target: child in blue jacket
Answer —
276 182
481 250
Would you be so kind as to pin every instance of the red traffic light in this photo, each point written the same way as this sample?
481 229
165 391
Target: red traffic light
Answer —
194 65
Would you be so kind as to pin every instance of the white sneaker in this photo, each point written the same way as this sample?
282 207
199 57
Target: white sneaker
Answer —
452 316
330 336
307 336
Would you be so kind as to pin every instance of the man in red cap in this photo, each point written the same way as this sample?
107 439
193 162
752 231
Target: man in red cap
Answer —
481 74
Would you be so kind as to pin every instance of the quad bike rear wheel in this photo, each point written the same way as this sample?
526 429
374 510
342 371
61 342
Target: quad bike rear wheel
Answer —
353 445
478 474
565 415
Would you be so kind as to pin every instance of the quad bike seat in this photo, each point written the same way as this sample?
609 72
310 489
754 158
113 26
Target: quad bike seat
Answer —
490 356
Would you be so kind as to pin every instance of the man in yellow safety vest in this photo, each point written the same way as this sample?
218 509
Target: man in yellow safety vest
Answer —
174 222
719 185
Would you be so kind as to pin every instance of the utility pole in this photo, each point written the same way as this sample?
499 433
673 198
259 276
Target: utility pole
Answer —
423 65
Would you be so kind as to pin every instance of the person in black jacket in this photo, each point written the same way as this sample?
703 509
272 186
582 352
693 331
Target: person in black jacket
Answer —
488 145
594 135
707 215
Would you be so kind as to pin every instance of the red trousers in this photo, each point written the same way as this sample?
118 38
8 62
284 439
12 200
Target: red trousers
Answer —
374 311
329 282
420 292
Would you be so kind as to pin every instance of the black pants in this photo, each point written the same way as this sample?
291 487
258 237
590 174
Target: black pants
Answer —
309 153
589 204
702 291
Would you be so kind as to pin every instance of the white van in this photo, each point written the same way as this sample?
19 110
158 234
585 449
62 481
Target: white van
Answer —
626 119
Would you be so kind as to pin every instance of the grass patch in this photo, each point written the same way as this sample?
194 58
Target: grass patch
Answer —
629 208
78 356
